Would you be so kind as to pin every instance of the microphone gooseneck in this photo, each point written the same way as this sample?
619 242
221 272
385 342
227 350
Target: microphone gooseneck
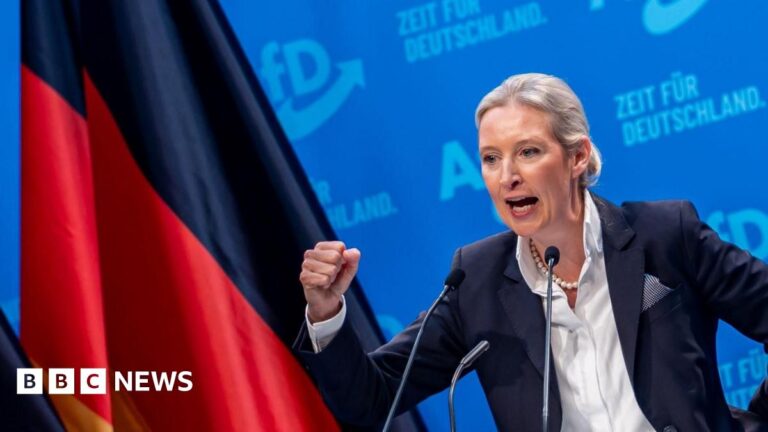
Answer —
454 279
551 256
465 362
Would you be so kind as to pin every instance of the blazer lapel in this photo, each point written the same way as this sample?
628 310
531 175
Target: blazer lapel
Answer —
624 266
525 312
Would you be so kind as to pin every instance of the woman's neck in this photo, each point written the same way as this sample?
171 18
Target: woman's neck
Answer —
568 238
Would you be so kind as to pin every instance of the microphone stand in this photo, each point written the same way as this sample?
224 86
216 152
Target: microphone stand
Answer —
453 280
466 362
548 340
552 256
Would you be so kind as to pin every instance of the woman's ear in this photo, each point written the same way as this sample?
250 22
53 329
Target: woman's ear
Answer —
580 159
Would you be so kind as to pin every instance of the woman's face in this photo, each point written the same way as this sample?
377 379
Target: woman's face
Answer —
531 180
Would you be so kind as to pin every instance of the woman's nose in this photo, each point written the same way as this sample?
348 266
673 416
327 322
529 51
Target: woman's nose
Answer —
510 177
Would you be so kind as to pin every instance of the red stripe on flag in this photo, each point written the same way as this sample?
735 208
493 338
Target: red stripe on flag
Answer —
169 307
62 322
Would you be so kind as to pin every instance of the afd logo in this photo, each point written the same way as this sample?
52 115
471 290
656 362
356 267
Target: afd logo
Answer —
307 66
662 16
746 228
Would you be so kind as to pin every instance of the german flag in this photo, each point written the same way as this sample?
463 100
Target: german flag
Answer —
20 413
164 218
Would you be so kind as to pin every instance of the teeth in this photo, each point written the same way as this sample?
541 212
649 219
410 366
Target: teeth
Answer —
523 209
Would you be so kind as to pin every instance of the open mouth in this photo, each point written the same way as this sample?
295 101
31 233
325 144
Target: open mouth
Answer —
522 206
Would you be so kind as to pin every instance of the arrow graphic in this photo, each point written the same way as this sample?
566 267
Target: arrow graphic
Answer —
663 18
299 124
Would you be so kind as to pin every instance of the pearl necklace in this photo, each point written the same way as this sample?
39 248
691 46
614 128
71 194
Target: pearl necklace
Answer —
543 269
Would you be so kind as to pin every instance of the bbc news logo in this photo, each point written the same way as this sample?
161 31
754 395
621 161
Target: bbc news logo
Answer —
94 381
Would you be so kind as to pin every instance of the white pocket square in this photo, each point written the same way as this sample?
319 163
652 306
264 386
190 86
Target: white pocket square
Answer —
653 291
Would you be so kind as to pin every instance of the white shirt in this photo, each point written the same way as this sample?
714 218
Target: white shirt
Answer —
321 333
595 391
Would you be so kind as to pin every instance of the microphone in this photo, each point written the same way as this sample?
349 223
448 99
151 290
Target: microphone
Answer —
454 279
466 362
552 254
552 257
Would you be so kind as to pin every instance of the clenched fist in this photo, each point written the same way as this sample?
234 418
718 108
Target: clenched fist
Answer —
326 273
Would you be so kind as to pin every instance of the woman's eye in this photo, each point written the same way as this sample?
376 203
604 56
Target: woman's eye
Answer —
490 159
529 151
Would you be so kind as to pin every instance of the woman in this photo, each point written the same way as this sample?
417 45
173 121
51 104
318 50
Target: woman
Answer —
639 291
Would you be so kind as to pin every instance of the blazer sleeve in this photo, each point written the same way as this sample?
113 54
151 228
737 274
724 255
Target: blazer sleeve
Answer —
733 283
359 387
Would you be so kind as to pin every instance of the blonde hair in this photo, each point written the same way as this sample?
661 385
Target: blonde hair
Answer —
553 96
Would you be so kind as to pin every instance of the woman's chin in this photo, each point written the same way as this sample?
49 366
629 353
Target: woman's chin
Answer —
522 229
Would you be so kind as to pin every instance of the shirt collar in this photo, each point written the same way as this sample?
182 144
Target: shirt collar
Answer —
593 243
593 235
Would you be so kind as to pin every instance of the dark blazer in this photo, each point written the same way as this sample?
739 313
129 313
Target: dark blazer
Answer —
669 349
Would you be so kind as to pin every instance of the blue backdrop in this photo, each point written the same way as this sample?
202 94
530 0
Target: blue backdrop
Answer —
10 61
378 101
